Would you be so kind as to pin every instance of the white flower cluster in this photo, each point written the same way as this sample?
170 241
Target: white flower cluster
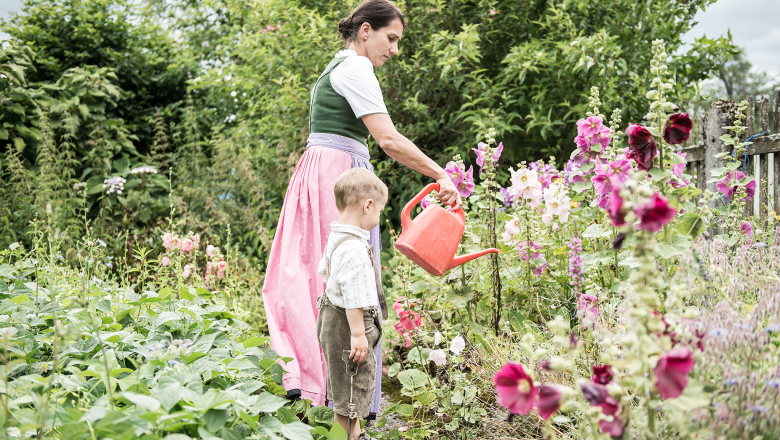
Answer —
115 184
557 202
144 170
79 187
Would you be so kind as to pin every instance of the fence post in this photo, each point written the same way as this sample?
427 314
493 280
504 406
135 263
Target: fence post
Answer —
763 159
750 124
720 114
776 155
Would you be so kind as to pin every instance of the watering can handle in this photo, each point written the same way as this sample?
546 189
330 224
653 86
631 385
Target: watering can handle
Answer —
406 213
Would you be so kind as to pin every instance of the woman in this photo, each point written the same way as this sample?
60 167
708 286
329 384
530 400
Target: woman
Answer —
346 106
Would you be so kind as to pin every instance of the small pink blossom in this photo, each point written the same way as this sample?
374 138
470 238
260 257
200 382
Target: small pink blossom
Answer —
167 238
196 240
456 173
175 242
670 374
516 389
165 261
466 186
729 184
481 151
493 12
590 126
615 208
602 184
210 250
221 266
209 268
654 213
746 229
186 245
427 201
186 271
588 306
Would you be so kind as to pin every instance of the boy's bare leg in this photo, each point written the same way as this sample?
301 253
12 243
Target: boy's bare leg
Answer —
344 422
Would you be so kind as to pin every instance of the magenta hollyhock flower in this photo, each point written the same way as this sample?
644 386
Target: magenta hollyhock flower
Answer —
410 320
617 171
482 151
670 374
746 229
466 186
678 172
455 172
602 184
678 128
642 147
588 306
602 374
728 185
516 389
590 126
427 201
603 137
550 396
615 206
583 142
654 213
614 428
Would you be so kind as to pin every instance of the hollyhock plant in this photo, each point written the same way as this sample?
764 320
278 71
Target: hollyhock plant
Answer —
549 399
677 128
516 389
678 170
617 171
481 151
654 213
456 173
457 345
439 357
729 184
589 308
746 229
221 266
186 245
615 210
186 271
536 255
466 186
642 146
670 374
175 242
167 238
602 374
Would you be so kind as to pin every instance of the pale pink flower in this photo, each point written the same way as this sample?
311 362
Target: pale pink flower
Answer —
167 237
482 151
186 245
196 240
466 186
210 250
165 261
493 12
427 201
175 242
187 271
209 267
221 266
523 179
617 171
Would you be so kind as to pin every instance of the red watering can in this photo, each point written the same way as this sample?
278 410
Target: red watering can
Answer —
431 239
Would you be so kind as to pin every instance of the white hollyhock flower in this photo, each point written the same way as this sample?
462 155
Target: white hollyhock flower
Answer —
439 357
457 345
437 338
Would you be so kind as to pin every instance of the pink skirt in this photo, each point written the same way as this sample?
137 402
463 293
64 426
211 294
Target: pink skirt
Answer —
292 283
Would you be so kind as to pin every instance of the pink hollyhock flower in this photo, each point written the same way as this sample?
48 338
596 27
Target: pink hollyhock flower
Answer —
410 320
196 240
408 342
598 395
590 126
209 268
546 179
186 245
642 147
175 242
186 272
516 389
602 374
167 237
550 396
678 172
603 137
493 12
482 151
614 428
588 307
617 171
466 186
399 328
602 184
166 261
397 306
729 184
670 374
678 128
221 266
427 201
455 172
583 142
524 256
210 250
654 213
746 229
614 210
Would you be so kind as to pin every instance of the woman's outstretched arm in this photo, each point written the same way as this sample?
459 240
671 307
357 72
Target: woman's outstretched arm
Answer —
404 151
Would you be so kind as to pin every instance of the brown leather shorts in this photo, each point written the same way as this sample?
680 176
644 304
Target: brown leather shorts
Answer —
334 336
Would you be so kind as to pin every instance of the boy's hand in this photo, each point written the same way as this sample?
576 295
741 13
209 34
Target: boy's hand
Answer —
359 345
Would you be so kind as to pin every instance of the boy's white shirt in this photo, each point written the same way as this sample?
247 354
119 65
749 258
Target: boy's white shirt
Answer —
352 282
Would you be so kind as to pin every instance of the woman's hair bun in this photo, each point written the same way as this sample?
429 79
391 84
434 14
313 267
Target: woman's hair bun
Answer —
377 13
345 28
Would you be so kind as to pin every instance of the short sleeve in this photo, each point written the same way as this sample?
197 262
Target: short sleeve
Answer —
354 79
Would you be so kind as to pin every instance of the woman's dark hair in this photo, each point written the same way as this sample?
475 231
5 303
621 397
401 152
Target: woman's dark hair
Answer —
377 13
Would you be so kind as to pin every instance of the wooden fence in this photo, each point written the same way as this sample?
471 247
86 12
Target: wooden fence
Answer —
763 154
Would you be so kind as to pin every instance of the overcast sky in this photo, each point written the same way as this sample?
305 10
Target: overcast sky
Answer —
754 24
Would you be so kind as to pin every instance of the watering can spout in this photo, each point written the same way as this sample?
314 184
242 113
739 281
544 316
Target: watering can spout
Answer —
460 259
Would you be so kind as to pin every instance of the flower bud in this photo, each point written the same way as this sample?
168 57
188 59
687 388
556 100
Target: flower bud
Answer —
529 338
651 116
691 313
540 353
670 107
656 81
662 69
560 341
666 87
653 95
655 106
654 70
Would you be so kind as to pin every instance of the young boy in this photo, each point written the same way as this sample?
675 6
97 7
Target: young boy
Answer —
349 324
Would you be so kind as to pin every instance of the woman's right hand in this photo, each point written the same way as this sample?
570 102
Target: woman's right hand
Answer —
448 193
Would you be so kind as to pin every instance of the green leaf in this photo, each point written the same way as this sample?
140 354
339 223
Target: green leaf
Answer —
321 415
268 403
596 231
170 395
6 270
297 431
215 419
203 344
412 378
142 400
394 369
405 410
691 224
254 341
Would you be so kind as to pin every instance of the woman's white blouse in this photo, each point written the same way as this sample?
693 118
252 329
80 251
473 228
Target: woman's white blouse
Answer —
354 79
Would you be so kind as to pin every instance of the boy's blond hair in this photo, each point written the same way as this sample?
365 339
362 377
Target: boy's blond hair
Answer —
357 185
